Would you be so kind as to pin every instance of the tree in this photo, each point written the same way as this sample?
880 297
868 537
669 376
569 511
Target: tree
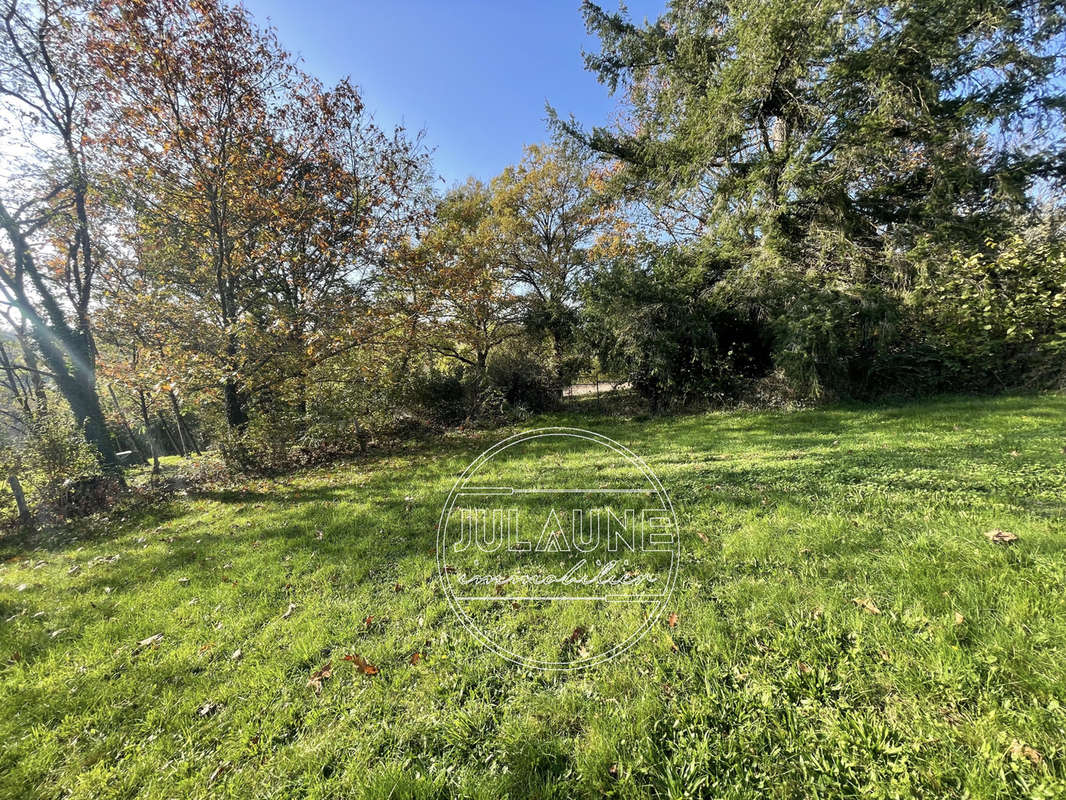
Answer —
793 128
352 191
460 266
50 259
549 214
196 89
264 202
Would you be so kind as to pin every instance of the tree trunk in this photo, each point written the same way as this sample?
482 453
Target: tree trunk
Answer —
236 416
178 425
126 424
25 517
148 431
170 437
183 427
67 351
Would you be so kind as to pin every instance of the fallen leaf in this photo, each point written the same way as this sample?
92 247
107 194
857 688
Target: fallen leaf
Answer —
577 635
151 641
397 587
613 770
74 570
183 581
702 536
288 611
803 667
866 604
319 675
237 655
1001 537
363 665
672 620
959 618
367 622
416 657
1019 750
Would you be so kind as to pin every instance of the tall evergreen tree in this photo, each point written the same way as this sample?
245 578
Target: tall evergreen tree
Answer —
789 127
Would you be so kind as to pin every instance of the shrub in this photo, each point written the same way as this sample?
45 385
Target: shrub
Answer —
442 397
662 324
523 378
57 468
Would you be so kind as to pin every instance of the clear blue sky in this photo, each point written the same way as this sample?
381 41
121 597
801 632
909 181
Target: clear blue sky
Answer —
474 74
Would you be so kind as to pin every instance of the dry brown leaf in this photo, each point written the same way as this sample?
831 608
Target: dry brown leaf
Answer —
702 536
577 635
866 604
238 654
672 620
368 621
319 675
415 658
803 668
959 618
397 587
1019 750
1001 537
361 664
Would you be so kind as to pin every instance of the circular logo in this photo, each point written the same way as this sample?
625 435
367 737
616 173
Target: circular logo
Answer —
558 548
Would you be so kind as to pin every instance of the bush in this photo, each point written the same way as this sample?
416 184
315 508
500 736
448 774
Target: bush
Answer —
442 397
282 440
59 471
662 324
523 378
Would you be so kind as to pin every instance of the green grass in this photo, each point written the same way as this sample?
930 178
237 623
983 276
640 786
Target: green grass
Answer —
774 683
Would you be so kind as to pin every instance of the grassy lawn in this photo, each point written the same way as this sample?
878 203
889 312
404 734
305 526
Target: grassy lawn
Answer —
946 678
